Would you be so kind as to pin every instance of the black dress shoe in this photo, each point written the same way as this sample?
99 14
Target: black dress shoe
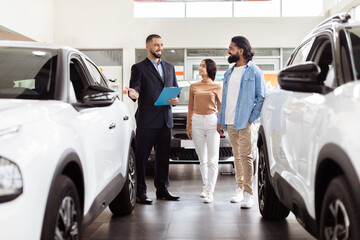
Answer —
166 196
143 199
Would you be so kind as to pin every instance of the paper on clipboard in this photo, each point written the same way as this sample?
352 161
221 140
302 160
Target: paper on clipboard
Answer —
166 94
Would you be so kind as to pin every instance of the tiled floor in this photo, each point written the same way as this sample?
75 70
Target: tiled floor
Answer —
190 218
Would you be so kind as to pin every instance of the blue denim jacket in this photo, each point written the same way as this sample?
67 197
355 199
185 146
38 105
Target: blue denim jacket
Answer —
251 96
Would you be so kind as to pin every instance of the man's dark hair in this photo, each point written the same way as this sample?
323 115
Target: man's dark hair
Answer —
210 68
150 37
242 42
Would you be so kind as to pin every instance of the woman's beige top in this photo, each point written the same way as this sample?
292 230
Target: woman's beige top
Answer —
204 99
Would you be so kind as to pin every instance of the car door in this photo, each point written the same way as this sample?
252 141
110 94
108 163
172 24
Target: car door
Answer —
306 116
95 129
119 121
283 121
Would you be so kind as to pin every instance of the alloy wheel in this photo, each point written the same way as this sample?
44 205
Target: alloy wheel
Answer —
67 224
132 179
261 180
337 223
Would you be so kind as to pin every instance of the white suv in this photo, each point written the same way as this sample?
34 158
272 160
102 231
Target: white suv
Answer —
66 143
309 159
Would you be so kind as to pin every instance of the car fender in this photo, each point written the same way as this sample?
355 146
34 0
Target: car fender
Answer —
333 161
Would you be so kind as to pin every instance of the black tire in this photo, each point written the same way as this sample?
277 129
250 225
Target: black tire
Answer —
63 198
269 204
340 213
124 203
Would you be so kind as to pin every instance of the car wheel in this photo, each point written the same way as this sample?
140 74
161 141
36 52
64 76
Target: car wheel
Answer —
63 216
124 203
269 204
340 214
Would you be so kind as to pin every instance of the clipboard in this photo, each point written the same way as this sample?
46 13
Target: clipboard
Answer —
166 94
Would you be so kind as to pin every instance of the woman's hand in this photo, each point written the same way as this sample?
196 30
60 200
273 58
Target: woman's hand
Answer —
189 134
218 129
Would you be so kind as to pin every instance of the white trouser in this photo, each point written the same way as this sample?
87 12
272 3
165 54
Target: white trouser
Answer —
206 141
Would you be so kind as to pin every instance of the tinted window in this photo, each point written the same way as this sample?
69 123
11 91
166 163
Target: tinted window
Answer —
27 73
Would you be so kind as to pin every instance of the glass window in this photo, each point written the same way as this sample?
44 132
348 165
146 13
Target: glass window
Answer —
206 52
96 75
266 51
173 56
257 8
302 8
159 10
286 53
208 9
301 53
27 73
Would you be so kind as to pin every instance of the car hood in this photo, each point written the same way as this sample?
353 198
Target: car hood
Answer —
14 112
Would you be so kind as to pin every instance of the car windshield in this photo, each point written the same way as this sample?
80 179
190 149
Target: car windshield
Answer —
354 34
27 73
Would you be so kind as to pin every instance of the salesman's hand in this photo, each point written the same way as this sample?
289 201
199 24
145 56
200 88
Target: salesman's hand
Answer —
218 129
132 93
174 101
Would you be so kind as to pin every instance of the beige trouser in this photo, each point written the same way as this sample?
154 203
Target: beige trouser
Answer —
240 140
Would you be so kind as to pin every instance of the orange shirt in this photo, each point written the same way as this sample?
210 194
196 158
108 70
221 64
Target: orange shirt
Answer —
204 99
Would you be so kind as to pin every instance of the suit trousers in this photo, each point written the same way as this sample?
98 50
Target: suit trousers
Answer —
207 141
240 140
146 139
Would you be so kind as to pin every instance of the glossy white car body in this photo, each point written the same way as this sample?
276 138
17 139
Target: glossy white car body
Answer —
47 138
309 135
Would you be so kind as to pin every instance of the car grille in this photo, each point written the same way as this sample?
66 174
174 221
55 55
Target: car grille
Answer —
179 122
190 154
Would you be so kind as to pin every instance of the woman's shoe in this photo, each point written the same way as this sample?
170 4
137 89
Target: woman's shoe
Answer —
203 193
209 198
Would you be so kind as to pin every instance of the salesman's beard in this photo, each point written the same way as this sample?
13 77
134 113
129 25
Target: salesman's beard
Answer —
155 54
233 58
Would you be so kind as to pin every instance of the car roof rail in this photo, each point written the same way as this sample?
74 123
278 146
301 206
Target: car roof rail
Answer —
340 17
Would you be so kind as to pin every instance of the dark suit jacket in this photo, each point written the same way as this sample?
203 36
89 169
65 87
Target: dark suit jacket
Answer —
146 80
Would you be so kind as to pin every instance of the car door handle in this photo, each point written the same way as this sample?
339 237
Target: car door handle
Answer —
270 108
287 111
112 126
126 118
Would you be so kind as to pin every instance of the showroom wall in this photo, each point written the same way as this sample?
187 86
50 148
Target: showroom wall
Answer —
33 19
110 24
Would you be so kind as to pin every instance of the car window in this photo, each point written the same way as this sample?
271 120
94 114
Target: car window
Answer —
322 55
27 73
96 75
301 53
77 78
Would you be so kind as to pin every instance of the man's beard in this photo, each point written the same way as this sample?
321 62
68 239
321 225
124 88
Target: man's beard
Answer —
155 54
233 58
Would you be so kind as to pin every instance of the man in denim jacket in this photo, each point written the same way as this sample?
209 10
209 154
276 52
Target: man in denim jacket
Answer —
244 91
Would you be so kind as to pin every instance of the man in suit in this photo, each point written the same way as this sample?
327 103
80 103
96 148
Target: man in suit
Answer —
154 123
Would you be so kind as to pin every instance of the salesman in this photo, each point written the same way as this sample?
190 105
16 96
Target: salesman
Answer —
154 123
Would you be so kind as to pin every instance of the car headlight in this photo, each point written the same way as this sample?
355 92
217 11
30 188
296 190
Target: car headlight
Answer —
11 184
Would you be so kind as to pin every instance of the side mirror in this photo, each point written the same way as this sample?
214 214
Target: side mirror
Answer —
98 96
302 78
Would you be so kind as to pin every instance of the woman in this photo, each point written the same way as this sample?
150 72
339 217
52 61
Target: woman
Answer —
204 103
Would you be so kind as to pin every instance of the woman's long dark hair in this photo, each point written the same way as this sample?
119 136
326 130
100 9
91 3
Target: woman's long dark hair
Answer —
210 68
